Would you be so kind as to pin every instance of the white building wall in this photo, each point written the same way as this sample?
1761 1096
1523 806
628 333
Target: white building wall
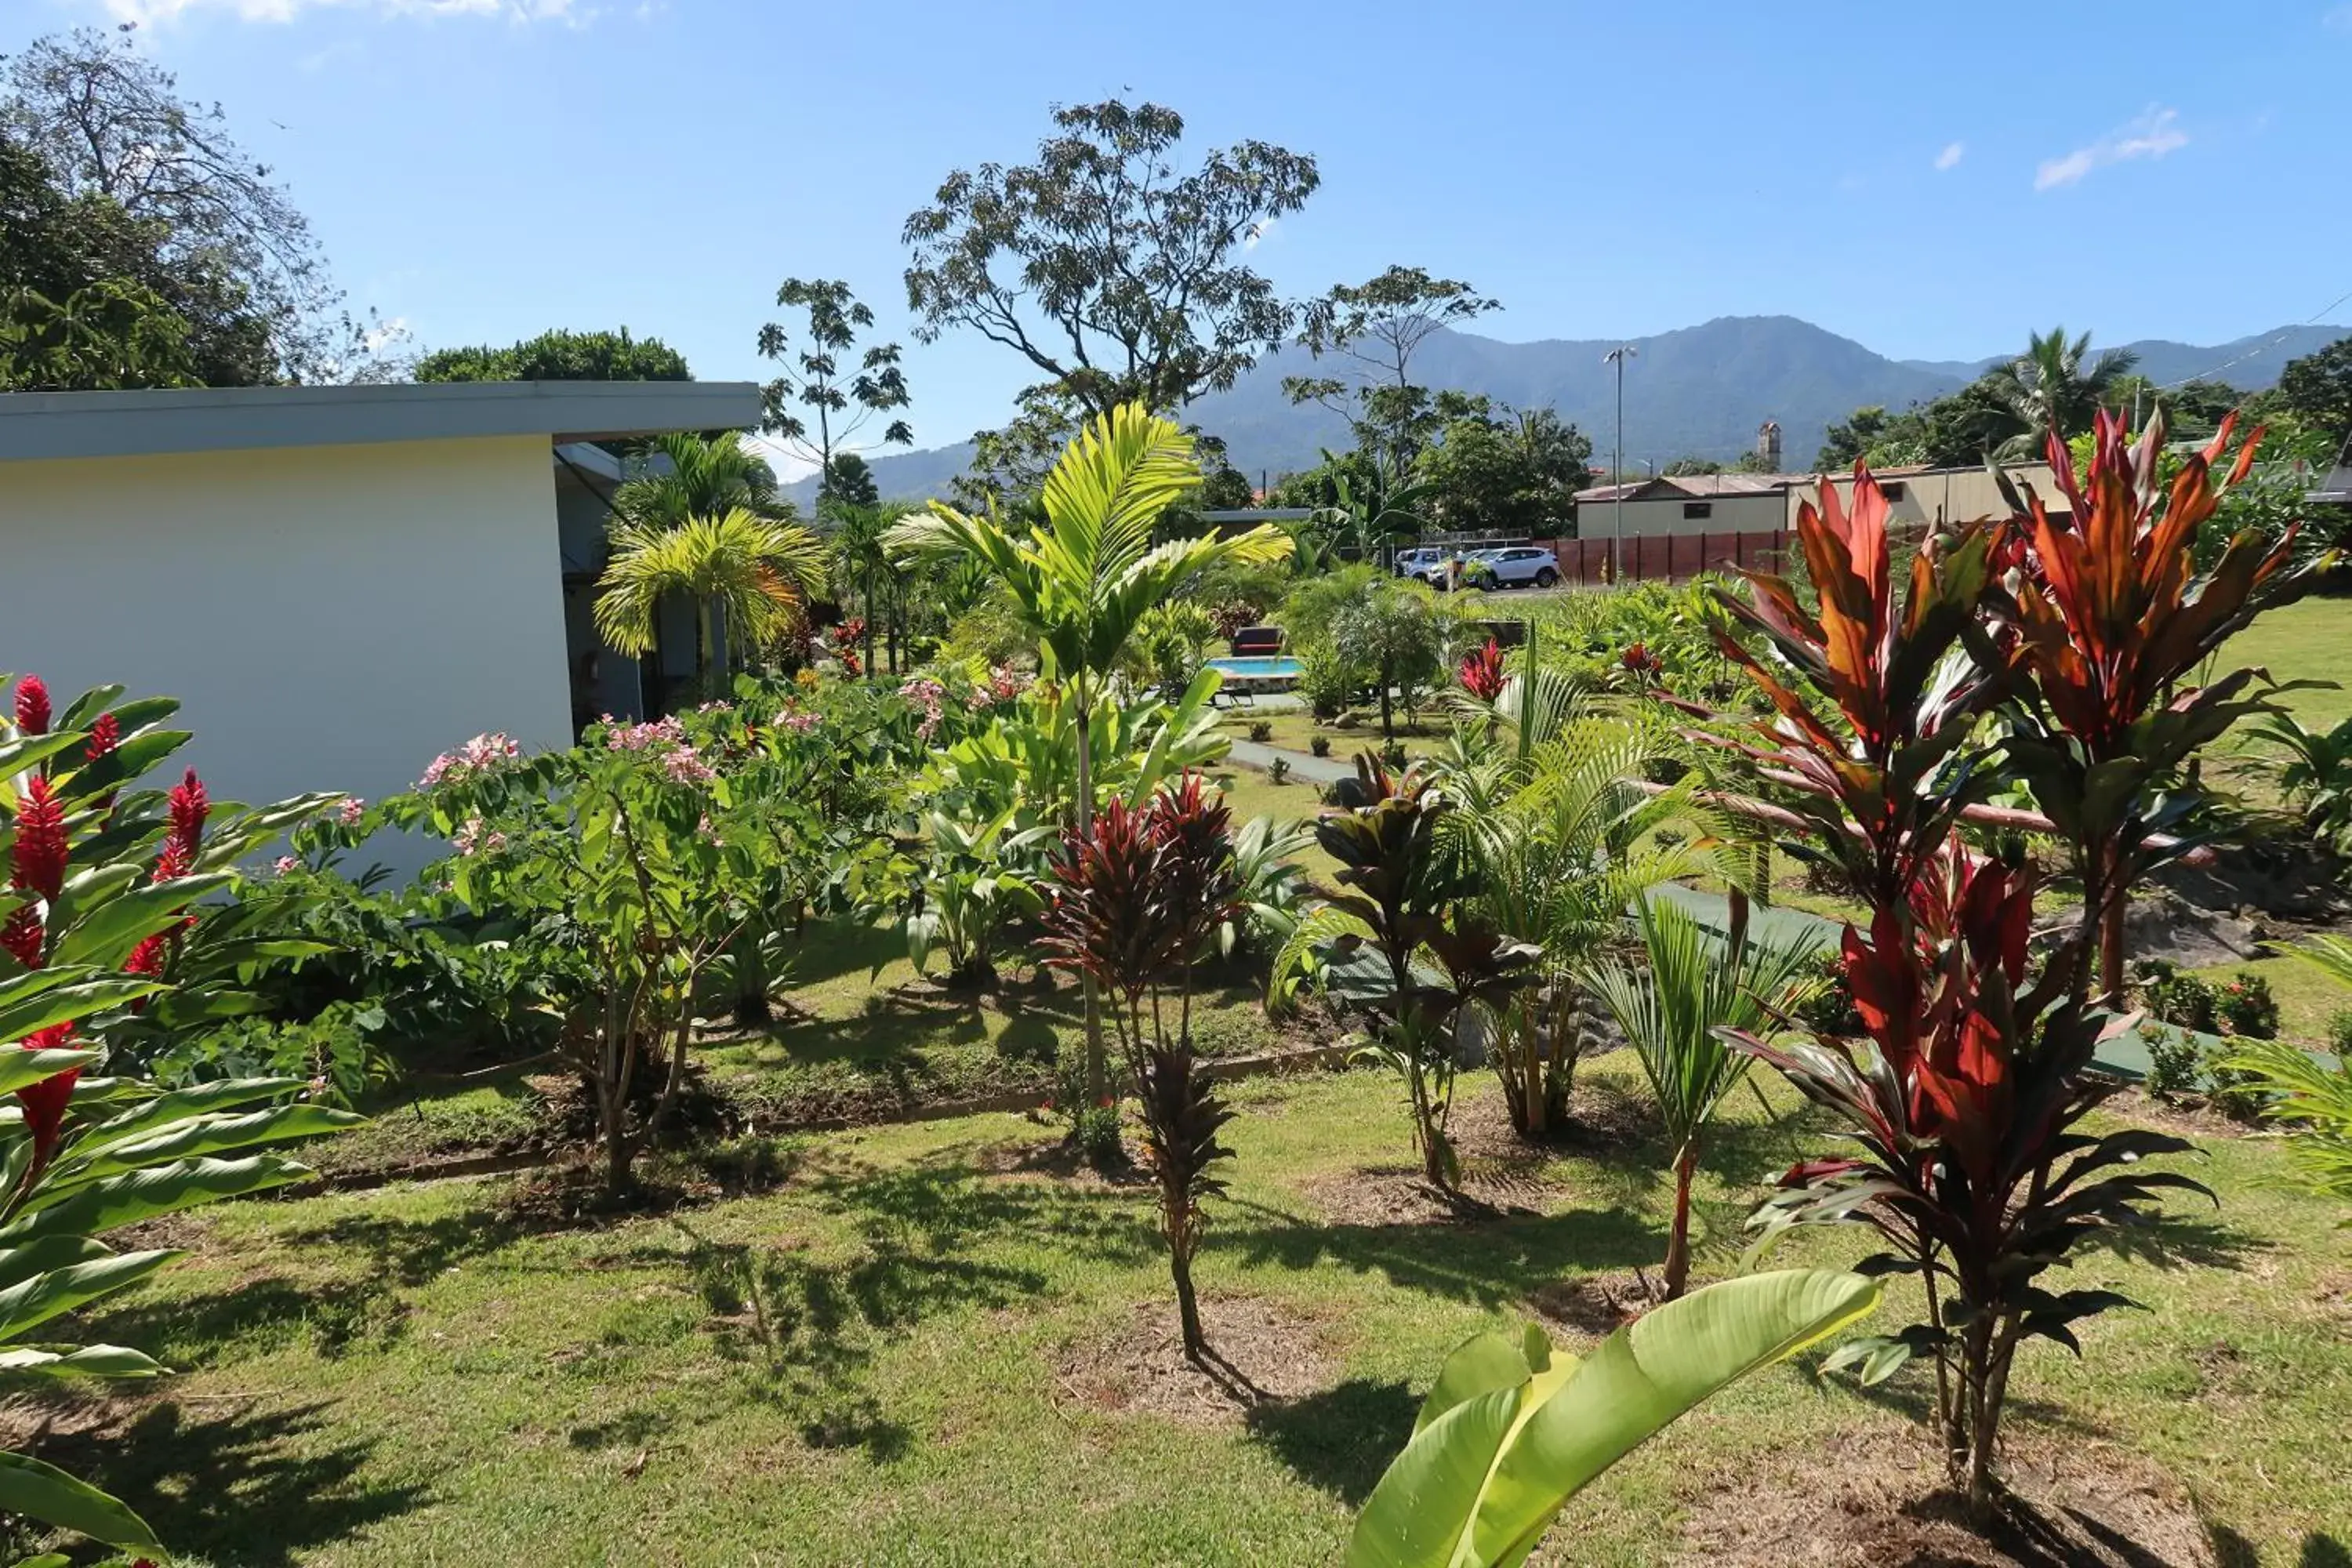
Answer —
1650 517
330 618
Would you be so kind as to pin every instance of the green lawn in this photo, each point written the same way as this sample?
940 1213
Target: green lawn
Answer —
1295 729
894 1359
2308 640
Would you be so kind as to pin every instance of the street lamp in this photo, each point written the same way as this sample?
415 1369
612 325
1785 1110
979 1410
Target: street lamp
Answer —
1618 356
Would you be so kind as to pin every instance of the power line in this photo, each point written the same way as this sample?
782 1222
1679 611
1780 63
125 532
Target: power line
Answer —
2312 320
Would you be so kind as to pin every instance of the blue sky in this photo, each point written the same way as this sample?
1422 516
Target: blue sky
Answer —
1933 181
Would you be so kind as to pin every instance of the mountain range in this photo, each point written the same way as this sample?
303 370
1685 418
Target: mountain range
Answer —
1698 391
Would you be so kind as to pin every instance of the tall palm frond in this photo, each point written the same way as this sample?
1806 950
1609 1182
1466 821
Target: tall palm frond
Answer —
682 476
759 575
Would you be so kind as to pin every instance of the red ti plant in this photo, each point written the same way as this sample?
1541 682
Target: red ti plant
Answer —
1965 1093
2102 618
1135 903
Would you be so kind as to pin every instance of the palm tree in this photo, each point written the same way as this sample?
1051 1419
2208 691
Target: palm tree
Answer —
682 476
1082 580
1560 858
754 574
2047 388
1672 1012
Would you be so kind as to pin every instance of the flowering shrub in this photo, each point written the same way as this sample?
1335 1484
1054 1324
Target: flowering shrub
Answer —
1482 672
107 957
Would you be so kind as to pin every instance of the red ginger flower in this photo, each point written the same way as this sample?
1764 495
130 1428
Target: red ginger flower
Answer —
189 808
33 706
104 736
1482 672
22 936
41 840
44 1102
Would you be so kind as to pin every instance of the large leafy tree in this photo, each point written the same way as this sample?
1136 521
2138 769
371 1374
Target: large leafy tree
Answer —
1082 579
1512 472
1118 278
2317 390
828 390
559 355
112 124
1372 330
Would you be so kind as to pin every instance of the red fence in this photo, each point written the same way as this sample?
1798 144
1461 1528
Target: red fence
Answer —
1668 557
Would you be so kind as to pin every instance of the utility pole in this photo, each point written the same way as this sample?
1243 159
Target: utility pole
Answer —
1618 356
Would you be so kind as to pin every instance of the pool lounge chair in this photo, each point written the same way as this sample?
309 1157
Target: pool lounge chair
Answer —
1257 642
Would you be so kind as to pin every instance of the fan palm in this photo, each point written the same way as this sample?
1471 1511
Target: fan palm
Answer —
1673 1013
2049 388
755 573
1082 580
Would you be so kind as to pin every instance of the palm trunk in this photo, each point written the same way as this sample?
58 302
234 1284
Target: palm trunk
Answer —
1097 1073
1188 1307
1678 1238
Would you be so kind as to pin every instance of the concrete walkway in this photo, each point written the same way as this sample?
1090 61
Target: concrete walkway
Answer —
1314 770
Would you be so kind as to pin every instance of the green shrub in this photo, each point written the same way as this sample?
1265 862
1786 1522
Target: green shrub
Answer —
2248 1007
1327 683
1261 731
2172 1061
2174 996
2339 1033
1278 771
2234 1091
1320 746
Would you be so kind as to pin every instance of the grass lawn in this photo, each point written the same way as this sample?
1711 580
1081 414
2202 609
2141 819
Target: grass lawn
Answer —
2307 996
2308 640
1295 729
886 1361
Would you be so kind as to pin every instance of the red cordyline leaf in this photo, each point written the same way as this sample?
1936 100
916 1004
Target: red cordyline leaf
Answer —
1482 672
44 1102
33 706
40 852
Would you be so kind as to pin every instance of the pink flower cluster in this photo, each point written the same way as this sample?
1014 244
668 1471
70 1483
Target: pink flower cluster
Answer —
286 866
476 836
351 810
642 737
800 721
479 755
1006 683
686 766
928 695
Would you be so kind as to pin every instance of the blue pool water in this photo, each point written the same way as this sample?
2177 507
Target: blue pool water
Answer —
1269 667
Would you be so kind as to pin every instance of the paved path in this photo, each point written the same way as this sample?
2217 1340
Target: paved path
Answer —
1313 769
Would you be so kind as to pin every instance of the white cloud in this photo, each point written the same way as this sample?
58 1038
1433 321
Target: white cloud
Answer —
1259 233
1949 158
165 11
2152 135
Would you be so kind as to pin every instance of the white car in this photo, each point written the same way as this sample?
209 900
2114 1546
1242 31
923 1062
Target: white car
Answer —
1521 566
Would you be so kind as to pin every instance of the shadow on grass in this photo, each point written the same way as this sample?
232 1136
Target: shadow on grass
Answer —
1341 1439
2172 1241
806 1332
1911 1395
1490 1263
2323 1552
259 1489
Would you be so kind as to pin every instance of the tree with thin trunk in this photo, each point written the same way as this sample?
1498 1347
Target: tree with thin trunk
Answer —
1082 580
821 401
1377 326
1673 1013
754 576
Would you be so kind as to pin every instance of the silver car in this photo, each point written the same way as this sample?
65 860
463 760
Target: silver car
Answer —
1522 566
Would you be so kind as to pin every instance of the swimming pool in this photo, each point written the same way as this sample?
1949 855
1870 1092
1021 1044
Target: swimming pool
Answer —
1266 667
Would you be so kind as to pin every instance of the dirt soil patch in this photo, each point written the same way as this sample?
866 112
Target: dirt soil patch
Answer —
1392 1195
1591 1307
2189 1116
1055 1158
1263 1354
1877 1498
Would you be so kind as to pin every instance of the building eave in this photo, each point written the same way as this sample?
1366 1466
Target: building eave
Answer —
35 425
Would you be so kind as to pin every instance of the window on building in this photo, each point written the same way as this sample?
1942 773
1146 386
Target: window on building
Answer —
1894 491
1698 508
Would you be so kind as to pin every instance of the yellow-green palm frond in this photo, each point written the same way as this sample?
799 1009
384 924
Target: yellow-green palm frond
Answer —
1106 491
757 573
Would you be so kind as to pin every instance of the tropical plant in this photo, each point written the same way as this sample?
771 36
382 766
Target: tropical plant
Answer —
1170 646
1273 887
2106 628
111 888
1515 1426
2313 771
2312 1103
1965 1098
1674 1011
1566 845
1392 632
2248 1007
742 572
2056 384
841 401
1407 893
1082 580
1135 903
621 863
975 882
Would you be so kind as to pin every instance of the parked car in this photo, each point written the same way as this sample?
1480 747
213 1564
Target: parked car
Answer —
1521 566
1418 561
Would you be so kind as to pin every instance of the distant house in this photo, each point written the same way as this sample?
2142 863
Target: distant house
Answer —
339 581
1685 503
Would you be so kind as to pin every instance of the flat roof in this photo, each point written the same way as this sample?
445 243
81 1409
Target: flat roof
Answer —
36 425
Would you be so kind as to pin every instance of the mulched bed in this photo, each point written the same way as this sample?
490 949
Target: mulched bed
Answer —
1591 1307
1395 1195
1264 1355
1877 1498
